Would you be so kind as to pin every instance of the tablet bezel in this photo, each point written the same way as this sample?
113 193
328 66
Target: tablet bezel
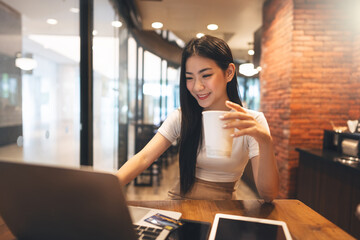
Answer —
218 216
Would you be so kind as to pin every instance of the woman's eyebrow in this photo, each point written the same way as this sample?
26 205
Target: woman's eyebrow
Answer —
202 70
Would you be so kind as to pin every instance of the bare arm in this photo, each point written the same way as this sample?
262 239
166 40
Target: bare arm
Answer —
265 172
264 166
143 159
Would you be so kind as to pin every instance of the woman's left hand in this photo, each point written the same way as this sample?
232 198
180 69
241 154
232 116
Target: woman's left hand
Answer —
245 123
264 165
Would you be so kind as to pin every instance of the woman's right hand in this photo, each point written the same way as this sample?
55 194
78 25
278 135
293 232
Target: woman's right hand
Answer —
143 159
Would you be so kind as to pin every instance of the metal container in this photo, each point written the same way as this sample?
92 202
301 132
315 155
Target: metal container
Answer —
350 147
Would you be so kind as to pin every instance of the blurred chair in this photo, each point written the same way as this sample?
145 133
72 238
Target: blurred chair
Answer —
144 133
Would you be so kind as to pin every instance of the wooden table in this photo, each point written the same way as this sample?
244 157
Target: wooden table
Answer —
302 221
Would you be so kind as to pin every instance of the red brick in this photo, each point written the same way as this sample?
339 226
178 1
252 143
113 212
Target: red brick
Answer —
312 75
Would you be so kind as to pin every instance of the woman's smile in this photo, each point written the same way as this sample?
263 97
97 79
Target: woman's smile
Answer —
203 96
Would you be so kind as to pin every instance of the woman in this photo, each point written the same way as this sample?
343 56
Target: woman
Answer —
208 82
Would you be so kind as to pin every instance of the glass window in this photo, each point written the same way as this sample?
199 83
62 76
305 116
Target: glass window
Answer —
140 82
253 96
106 51
152 88
39 99
173 91
163 93
241 84
132 48
123 98
132 53
249 89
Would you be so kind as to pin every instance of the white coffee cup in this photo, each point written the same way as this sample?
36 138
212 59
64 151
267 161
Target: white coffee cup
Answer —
352 125
218 141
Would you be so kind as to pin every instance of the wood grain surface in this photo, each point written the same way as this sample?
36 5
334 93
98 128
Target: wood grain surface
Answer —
302 221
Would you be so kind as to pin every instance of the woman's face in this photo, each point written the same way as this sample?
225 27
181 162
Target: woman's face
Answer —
207 82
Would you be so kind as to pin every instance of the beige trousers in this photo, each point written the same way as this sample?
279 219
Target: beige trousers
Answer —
205 190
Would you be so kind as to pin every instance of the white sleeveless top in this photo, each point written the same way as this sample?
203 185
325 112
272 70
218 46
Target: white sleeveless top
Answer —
217 169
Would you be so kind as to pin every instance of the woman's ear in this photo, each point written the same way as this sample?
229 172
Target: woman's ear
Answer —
230 71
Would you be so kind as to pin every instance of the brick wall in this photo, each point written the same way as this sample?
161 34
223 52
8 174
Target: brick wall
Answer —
274 79
309 76
354 111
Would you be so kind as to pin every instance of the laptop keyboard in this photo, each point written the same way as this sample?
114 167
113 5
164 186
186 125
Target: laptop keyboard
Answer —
146 232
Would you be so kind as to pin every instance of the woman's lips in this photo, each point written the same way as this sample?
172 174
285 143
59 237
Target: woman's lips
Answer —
203 96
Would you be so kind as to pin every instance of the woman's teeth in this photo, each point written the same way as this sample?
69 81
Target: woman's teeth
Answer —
203 96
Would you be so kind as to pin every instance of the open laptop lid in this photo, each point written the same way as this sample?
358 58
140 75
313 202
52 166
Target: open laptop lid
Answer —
92 204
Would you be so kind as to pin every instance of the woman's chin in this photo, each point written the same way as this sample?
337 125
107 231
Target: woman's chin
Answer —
201 103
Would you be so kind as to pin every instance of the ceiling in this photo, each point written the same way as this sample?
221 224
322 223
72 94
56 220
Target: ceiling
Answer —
237 19
35 12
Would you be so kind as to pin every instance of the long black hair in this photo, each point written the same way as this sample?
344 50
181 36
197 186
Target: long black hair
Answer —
191 112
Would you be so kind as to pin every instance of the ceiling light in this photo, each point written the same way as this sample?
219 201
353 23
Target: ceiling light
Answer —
25 63
116 24
251 52
248 69
95 32
200 35
157 25
212 27
74 10
52 21
180 43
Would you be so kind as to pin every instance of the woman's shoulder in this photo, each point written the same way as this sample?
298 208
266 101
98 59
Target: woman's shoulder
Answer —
177 111
175 115
170 128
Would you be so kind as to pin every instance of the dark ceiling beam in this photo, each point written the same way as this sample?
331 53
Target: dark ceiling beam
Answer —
154 43
129 11
149 40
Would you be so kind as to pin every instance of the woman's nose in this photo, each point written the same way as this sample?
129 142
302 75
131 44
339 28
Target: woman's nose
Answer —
198 86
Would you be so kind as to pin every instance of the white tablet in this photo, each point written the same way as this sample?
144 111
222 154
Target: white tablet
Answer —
238 227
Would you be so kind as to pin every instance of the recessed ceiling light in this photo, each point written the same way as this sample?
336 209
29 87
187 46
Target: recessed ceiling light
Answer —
199 35
52 21
180 42
157 25
116 24
25 63
74 10
212 27
95 32
248 69
251 52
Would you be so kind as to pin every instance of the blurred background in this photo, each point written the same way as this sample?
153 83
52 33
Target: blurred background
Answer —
65 103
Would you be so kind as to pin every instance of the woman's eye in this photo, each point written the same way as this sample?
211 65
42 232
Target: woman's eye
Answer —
207 75
188 78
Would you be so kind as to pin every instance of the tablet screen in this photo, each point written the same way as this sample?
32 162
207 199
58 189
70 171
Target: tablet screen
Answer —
228 227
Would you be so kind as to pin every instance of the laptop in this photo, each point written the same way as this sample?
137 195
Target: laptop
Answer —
45 202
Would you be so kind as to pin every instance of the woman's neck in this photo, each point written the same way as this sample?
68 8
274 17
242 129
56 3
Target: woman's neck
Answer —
219 106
